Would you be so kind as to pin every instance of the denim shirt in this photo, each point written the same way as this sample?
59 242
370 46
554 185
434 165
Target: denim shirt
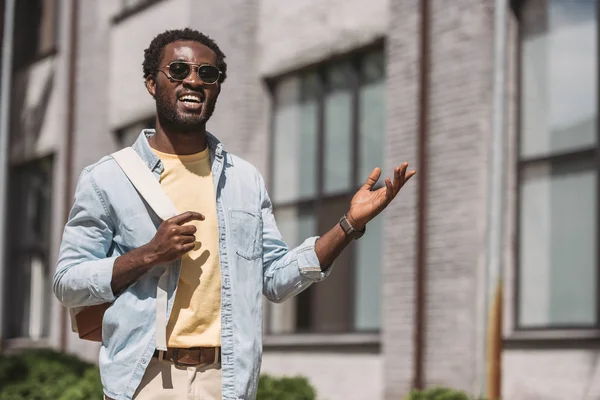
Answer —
108 219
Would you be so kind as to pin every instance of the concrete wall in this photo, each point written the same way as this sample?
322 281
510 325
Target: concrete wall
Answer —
294 34
336 375
551 374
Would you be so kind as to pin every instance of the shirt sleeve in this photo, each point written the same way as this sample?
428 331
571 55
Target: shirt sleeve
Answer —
84 272
286 272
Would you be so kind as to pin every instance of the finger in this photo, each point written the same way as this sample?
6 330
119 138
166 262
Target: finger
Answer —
399 173
372 179
185 248
187 217
389 189
409 175
187 229
186 239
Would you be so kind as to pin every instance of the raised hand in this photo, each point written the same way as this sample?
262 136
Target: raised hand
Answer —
367 203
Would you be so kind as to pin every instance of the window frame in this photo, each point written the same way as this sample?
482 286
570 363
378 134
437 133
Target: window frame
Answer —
551 331
18 64
120 134
42 250
127 11
321 198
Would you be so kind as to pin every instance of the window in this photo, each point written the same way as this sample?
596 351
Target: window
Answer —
558 165
126 136
127 8
29 274
36 30
329 125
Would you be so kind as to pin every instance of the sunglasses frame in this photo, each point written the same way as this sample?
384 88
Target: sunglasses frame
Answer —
192 67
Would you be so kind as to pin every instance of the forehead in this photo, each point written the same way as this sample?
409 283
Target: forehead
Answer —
193 52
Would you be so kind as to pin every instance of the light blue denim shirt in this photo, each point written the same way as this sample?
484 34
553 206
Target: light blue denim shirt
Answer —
109 219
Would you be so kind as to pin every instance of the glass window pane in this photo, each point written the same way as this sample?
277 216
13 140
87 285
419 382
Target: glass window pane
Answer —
367 301
559 76
128 135
295 140
338 130
29 291
372 115
295 225
318 308
557 256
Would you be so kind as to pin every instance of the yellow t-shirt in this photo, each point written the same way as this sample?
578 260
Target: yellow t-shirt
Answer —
196 317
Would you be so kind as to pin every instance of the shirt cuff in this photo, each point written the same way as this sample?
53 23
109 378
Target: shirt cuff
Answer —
102 280
308 262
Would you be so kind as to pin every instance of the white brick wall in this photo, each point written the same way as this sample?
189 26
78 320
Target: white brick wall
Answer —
460 62
459 118
401 215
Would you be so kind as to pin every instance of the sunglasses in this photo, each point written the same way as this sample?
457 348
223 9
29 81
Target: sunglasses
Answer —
180 70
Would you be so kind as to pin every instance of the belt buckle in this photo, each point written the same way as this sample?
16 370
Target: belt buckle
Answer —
180 364
176 359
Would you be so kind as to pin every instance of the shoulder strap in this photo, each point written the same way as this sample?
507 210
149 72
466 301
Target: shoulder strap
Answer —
149 188
145 182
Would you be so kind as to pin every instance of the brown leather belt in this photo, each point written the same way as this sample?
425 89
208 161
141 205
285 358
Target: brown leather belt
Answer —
191 357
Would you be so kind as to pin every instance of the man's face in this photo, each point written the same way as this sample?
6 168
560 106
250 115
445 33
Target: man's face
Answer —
185 105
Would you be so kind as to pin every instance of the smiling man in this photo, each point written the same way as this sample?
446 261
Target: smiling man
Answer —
220 253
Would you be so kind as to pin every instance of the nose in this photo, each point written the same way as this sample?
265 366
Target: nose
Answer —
193 80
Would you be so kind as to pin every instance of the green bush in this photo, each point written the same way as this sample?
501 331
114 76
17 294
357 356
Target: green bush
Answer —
295 388
439 393
48 375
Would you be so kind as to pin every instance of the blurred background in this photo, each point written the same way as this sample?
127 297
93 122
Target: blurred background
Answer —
318 93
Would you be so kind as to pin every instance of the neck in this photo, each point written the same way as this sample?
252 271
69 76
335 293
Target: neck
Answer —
175 141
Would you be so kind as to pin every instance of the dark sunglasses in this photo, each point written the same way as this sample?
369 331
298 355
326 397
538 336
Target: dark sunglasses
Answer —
180 70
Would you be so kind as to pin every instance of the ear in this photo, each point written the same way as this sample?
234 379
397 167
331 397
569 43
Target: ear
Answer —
151 85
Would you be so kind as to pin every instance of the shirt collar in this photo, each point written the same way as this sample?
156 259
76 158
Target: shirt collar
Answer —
142 147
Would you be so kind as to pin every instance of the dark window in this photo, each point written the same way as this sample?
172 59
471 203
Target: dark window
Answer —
329 126
557 254
36 30
128 8
28 273
127 135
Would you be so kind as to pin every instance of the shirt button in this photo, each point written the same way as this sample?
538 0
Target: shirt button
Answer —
143 361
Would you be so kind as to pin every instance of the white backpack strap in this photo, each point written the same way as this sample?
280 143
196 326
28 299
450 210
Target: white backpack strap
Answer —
149 188
145 182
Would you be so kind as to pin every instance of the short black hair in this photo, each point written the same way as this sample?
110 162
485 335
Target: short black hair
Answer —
153 54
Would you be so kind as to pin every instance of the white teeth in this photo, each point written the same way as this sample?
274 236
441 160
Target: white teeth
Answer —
190 98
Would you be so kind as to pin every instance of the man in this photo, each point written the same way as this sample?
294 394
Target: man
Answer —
220 253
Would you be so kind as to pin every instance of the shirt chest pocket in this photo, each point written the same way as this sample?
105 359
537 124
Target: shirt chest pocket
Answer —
246 227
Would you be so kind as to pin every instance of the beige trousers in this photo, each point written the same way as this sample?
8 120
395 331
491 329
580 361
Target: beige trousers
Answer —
164 381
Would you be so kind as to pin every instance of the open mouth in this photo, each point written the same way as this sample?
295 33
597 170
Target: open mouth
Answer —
194 100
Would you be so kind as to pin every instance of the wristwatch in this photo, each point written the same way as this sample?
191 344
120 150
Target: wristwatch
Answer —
349 229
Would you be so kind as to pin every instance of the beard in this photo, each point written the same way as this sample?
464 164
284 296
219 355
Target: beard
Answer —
168 114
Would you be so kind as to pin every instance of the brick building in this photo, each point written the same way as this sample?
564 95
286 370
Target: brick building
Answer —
318 93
